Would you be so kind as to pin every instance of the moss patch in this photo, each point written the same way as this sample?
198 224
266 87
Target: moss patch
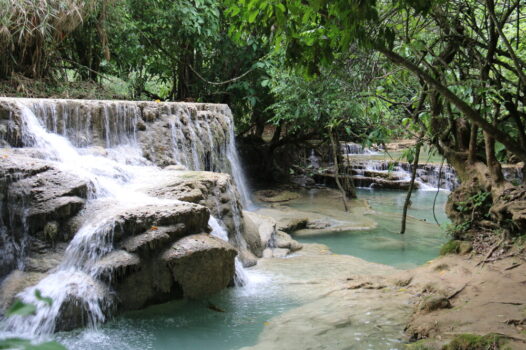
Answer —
451 247
475 342
456 247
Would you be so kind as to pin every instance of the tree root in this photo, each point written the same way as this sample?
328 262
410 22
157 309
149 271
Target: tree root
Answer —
492 250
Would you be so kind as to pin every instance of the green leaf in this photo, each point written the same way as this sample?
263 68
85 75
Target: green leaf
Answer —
235 11
25 344
39 296
21 309
52 345
252 16
419 45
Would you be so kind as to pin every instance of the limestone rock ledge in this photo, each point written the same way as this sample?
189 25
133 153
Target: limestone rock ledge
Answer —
201 264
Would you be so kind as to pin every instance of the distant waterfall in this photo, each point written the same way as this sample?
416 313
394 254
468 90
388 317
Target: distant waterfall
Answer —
368 173
349 148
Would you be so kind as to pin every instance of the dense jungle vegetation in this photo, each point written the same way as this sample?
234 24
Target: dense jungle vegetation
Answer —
448 73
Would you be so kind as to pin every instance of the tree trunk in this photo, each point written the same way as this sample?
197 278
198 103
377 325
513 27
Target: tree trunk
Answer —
337 170
411 185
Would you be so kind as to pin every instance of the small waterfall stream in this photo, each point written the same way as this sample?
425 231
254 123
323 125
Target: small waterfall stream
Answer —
241 277
68 136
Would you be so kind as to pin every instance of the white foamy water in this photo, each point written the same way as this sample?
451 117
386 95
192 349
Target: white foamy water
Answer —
241 277
427 175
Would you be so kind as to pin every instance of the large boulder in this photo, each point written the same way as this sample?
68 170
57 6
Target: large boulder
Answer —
212 190
201 264
265 238
259 231
52 195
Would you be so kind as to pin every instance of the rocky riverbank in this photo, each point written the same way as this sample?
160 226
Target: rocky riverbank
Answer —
348 301
453 299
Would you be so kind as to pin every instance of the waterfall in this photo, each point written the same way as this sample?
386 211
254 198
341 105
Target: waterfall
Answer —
351 148
76 279
102 146
207 146
369 173
314 160
240 278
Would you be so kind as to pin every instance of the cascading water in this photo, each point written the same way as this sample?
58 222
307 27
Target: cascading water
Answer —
240 278
207 137
76 277
371 173
350 148
67 136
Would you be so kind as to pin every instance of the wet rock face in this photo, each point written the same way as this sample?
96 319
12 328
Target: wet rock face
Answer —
9 127
156 260
202 265
193 134
212 190
36 200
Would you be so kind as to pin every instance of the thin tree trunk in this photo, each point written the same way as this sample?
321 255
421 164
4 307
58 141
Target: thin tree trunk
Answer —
473 143
491 159
411 185
337 171
349 181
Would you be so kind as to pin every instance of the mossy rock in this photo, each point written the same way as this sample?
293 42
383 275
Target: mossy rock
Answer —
434 302
475 342
451 247
456 247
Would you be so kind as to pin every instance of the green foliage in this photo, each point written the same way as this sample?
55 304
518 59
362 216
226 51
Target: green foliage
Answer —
32 31
475 342
456 230
19 308
479 202
24 344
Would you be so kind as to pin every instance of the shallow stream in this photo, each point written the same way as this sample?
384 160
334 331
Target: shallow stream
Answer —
384 244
